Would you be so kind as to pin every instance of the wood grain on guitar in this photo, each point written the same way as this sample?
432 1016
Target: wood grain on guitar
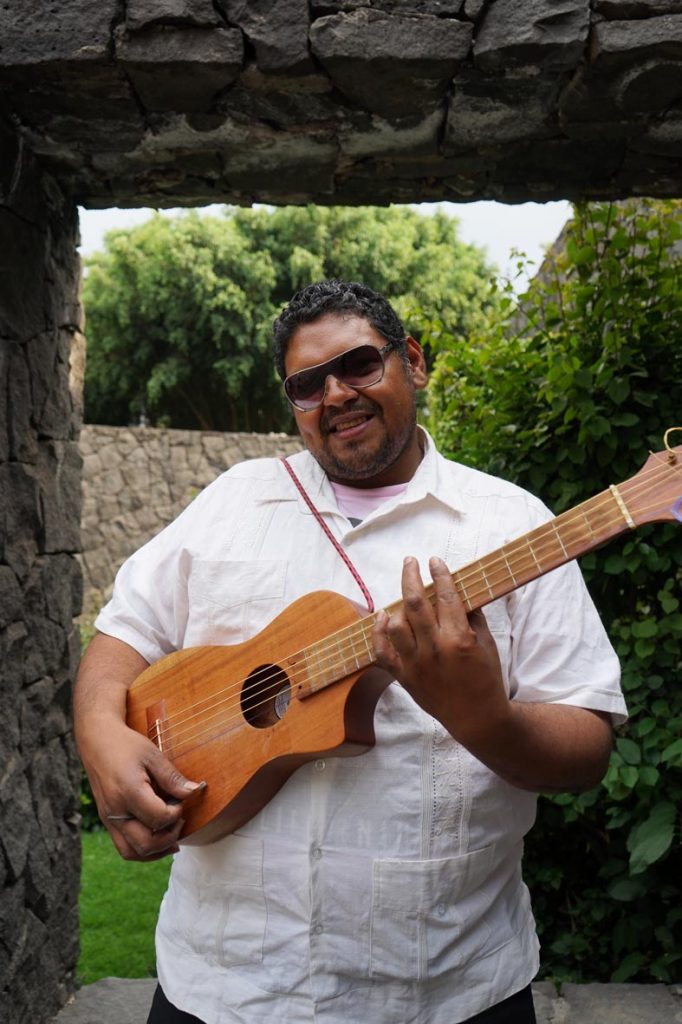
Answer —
245 717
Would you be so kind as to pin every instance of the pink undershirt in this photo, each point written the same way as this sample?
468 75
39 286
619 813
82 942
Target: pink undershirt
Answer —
356 503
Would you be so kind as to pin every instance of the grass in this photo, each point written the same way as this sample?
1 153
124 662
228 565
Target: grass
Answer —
119 904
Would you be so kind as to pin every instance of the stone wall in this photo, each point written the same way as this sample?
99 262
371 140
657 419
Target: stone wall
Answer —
40 383
137 480
169 102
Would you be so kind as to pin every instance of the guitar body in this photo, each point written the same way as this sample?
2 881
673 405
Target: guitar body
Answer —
243 717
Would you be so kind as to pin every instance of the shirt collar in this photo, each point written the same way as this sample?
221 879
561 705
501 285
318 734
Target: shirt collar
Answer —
434 477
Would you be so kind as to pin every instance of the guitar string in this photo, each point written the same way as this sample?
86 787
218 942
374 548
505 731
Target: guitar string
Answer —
547 532
333 661
259 684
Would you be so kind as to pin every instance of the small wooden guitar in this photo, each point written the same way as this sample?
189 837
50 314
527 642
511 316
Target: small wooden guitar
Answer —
244 717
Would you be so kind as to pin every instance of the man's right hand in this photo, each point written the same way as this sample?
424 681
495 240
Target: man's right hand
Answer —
138 791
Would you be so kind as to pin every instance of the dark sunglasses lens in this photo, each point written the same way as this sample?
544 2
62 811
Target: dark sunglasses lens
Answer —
359 367
306 389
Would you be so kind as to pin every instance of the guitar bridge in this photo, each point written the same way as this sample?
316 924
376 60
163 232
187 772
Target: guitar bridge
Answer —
157 726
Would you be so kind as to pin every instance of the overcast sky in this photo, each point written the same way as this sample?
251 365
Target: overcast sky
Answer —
498 228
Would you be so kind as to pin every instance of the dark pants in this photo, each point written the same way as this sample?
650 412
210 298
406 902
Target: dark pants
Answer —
518 1009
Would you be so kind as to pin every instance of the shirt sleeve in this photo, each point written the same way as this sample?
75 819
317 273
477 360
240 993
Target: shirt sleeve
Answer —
148 609
560 650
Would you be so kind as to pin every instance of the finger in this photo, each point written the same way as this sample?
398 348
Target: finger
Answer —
160 811
418 611
167 777
385 652
449 607
135 841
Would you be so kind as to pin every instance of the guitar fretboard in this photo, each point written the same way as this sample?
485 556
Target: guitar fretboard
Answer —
556 542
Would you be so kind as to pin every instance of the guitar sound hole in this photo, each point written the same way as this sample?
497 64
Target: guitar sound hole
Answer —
265 696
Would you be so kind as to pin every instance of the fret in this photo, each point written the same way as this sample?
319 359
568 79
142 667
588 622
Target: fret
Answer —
370 652
503 552
461 588
557 534
481 565
354 654
533 555
588 525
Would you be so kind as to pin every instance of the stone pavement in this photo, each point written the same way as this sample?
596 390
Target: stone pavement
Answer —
127 1001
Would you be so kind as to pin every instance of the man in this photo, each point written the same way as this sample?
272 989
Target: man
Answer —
383 888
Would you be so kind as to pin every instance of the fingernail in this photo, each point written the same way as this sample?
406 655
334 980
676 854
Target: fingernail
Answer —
193 786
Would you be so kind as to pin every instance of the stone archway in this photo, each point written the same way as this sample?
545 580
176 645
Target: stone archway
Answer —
172 102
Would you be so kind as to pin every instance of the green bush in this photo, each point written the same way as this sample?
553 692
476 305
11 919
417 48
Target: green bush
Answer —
564 393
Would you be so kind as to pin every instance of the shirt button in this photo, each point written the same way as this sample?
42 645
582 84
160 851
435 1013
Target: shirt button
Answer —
320 765
317 853
318 929
437 831
441 908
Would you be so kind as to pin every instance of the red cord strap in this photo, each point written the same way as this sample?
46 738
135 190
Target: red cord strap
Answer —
353 571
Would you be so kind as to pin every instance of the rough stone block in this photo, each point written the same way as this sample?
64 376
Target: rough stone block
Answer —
22 277
16 818
367 58
620 1004
10 596
435 8
285 109
663 139
277 30
536 163
473 9
473 120
622 44
11 918
380 137
551 34
19 509
625 9
59 476
180 69
143 13
544 998
76 31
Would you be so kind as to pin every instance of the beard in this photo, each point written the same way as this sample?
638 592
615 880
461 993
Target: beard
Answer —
361 461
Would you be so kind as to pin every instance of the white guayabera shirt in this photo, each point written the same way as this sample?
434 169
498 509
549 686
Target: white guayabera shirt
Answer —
385 887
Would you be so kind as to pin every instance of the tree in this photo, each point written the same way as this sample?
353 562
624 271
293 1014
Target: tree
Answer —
179 310
565 394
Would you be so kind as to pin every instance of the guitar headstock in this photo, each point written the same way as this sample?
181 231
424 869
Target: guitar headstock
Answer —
654 494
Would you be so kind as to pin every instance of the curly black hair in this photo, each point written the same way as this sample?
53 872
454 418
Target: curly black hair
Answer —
336 297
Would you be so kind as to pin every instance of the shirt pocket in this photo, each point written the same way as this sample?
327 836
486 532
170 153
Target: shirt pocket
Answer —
221 901
231 601
419 926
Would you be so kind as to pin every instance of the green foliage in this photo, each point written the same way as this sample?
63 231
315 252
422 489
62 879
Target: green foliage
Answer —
179 310
565 393
119 904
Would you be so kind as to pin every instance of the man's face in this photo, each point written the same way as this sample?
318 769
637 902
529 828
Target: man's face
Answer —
368 437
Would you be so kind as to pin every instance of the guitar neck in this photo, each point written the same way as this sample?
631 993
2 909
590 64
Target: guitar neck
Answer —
569 535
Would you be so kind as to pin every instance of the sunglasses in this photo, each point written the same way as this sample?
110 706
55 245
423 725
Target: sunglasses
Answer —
357 367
